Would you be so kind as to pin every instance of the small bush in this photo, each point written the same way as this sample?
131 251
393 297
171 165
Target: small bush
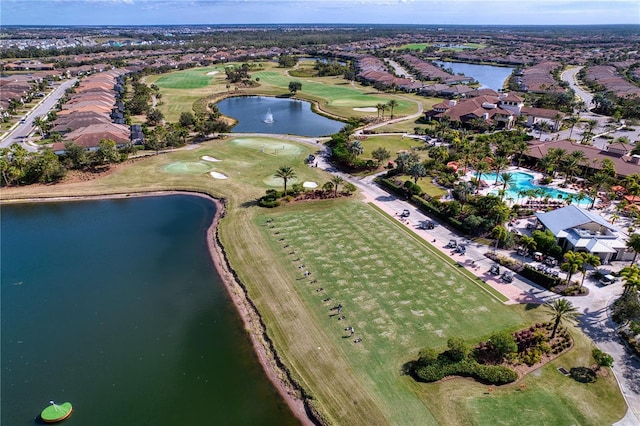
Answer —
268 202
583 375
603 359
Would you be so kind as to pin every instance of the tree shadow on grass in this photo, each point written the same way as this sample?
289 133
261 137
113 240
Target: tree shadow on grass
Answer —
250 203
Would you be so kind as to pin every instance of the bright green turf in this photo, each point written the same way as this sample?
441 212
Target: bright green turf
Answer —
187 79
415 46
397 294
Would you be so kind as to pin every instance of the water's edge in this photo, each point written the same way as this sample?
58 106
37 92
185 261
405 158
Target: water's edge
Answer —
295 396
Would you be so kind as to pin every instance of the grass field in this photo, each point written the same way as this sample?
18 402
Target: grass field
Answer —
360 260
335 95
393 143
415 46
427 187
397 292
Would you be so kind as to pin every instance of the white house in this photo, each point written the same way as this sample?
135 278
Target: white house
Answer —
580 230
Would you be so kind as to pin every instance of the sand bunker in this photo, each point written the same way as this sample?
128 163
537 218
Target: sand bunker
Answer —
367 109
213 73
217 175
207 158
310 185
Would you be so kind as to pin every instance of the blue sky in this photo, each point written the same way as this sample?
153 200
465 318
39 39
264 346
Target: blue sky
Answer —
473 12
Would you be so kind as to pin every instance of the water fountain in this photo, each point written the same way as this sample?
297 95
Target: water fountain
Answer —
269 117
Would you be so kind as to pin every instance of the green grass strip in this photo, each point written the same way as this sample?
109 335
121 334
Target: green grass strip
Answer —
462 270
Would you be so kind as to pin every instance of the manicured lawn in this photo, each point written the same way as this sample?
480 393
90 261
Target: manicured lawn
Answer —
393 143
187 79
427 186
415 46
335 95
397 294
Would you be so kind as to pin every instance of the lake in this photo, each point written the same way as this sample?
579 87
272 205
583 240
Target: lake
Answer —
489 76
116 307
290 116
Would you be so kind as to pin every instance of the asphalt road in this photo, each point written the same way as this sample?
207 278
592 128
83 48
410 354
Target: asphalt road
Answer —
21 131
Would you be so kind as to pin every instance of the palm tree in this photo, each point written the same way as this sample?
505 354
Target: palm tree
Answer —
589 125
356 148
336 181
500 233
507 179
588 259
572 263
285 173
521 148
556 121
383 108
631 278
392 104
528 243
572 121
633 243
481 167
499 163
598 181
380 107
561 310
41 124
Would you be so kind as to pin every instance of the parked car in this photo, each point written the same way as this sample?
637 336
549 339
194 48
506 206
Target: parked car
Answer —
522 251
427 224
538 256
405 213
607 279
451 244
495 269
461 249
550 261
507 276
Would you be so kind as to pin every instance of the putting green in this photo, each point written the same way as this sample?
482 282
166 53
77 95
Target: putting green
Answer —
187 167
278 182
269 146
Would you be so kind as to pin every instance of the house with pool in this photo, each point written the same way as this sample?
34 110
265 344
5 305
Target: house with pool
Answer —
579 230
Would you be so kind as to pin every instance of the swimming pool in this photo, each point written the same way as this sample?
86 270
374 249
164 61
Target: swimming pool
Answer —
524 182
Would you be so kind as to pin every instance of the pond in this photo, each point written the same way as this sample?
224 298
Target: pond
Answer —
263 114
489 76
116 307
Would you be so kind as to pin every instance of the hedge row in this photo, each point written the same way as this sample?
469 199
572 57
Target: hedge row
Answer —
489 374
423 205
390 185
540 278
428 208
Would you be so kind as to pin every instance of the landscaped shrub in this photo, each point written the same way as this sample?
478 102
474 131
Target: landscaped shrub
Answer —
540 278
532 356
603 359
489 374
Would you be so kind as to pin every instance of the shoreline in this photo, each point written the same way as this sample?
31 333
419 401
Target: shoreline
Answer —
291 392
